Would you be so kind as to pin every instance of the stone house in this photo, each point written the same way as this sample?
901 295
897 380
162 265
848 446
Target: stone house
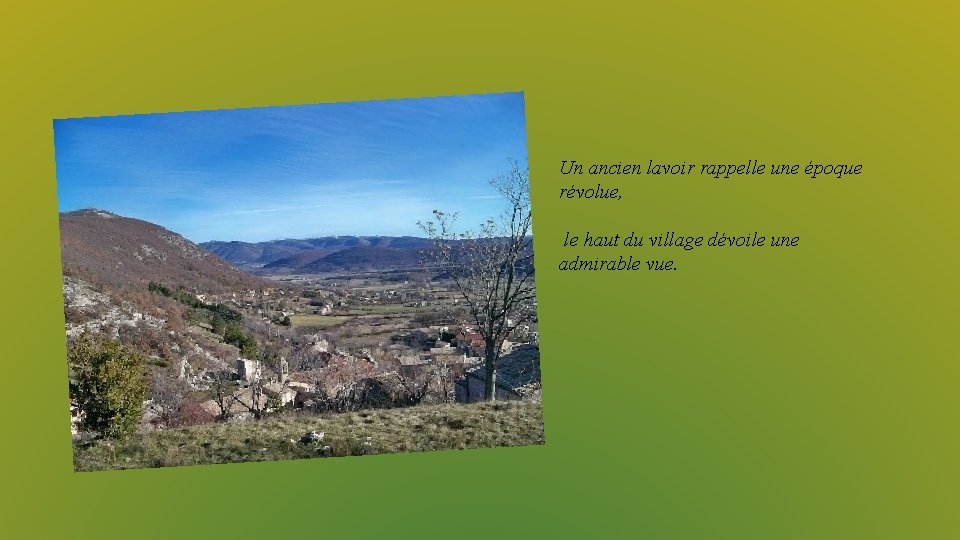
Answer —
471 342
248 370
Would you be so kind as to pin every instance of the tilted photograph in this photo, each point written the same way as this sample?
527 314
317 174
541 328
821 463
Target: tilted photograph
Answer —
298 282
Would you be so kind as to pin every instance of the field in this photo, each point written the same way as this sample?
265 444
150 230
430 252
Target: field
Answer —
389 309
318 321
430 427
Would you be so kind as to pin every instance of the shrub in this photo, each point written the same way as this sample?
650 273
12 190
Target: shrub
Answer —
234 335
108 385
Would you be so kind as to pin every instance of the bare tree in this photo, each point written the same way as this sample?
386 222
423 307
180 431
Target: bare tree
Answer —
167 393
258 401
492 267
411 390
222 393
446 372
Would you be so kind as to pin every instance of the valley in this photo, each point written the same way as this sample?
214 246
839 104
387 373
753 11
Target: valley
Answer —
315 327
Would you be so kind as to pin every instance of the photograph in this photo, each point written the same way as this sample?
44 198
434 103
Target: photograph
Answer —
298 282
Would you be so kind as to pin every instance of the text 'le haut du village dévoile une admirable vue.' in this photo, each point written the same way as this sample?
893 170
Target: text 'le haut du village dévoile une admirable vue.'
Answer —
669 239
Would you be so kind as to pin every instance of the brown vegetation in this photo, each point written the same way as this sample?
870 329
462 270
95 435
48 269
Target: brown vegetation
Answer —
108 250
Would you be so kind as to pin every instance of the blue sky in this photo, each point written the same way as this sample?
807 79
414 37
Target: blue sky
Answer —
359 168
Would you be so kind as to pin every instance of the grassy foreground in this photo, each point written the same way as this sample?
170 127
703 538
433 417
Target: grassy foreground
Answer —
412 429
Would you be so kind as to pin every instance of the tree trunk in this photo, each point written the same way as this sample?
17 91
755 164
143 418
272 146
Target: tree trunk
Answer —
490 384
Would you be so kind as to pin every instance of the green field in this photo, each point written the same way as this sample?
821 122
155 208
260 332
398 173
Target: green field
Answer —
319 321
388 309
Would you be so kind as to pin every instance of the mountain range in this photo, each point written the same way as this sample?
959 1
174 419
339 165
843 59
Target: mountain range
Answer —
319 255
104 248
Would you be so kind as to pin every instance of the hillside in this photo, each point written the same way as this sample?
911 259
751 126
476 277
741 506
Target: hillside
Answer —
363 258
411 429
105 249
295 262
254 255
294 256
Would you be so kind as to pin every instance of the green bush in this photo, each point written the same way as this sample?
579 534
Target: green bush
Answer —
108 385
234 335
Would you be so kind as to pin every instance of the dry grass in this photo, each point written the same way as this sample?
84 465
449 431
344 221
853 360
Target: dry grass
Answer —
388 309
317 321
413 429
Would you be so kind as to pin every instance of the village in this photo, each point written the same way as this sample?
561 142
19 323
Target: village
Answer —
310 343
300 283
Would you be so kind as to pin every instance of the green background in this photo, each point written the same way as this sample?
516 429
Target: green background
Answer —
806 393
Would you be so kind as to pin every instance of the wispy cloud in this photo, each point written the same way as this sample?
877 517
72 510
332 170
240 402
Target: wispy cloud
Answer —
256 174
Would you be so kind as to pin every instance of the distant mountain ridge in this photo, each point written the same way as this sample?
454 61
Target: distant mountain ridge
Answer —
107 249
364 258
323 254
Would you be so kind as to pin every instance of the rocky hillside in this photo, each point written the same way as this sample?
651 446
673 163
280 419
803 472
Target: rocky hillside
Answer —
105 249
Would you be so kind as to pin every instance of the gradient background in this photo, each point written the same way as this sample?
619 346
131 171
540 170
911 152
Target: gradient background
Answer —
809 393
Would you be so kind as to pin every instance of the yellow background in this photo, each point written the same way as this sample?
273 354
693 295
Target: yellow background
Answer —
805 393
